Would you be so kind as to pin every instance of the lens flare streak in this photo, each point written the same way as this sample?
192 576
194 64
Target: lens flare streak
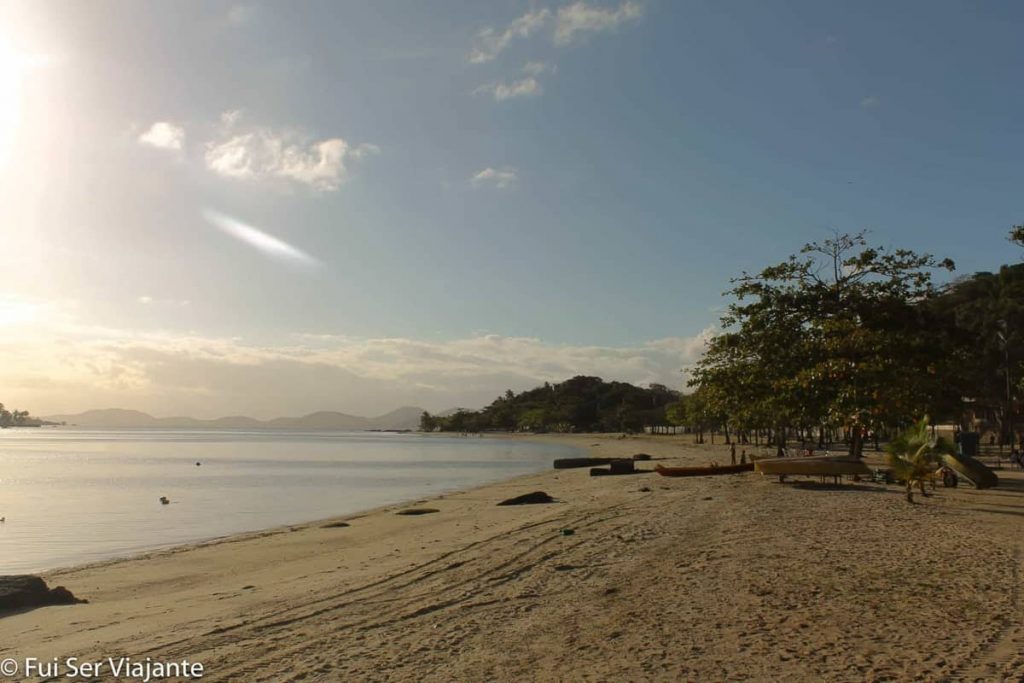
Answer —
268 244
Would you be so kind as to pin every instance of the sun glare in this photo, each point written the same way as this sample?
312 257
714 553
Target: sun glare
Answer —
14 69
16 313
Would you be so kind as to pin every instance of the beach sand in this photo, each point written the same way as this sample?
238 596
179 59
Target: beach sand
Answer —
733 577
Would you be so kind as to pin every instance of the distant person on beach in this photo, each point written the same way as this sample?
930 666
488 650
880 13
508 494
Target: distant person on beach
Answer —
732 453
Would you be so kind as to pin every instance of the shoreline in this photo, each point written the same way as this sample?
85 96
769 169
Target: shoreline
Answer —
153 553
659 579
142 550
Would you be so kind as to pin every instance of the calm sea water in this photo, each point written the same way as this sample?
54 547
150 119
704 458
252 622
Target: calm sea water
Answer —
72 496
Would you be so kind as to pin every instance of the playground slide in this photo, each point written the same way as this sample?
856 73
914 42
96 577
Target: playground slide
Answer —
972 470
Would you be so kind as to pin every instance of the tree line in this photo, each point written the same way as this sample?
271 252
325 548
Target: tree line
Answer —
16 418
580 404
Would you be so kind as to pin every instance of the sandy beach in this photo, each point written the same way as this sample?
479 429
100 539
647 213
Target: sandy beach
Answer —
624 578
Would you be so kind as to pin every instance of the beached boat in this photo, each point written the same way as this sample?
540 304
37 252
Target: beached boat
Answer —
972 470
705 471
833 466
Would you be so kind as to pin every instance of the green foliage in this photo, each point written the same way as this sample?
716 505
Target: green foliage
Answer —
832 336
984 327
580 404
15 418
701 411
1017 235
914 456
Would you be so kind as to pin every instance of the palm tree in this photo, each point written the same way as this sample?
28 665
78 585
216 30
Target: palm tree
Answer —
914 455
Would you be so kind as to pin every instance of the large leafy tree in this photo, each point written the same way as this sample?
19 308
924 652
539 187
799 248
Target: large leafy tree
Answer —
833 336
985 318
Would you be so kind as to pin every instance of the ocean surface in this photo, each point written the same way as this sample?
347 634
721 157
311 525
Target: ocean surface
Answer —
72 496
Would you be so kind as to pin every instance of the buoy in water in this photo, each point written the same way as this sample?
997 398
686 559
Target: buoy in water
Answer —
198 463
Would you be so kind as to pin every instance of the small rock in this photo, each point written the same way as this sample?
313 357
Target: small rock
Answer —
568 532
529 499
417 511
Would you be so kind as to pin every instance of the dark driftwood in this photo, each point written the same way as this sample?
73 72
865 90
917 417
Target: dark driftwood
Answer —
567 463
622 467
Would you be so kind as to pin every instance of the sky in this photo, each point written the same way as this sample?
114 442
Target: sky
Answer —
271 208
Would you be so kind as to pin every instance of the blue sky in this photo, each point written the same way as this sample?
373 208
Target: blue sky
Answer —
490 194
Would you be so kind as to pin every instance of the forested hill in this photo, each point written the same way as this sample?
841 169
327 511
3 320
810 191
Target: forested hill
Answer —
580 404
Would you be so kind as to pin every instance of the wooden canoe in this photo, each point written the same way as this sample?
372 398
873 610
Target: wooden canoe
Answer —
703 471
825 467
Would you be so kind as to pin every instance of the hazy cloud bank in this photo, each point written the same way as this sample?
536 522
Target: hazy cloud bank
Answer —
57 366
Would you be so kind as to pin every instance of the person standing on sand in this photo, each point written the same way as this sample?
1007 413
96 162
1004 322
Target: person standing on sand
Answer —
732 453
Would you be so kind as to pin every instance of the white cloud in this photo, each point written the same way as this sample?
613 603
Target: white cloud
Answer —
364 150
501 178
164 135
537 68
580 18
491 42
229 118
144 300
869 102
55 363
526 87
564 26
262 153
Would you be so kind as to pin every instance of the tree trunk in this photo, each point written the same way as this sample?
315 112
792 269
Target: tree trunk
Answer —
856 441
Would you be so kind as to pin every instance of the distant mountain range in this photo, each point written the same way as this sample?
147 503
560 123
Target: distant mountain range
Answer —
400 419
